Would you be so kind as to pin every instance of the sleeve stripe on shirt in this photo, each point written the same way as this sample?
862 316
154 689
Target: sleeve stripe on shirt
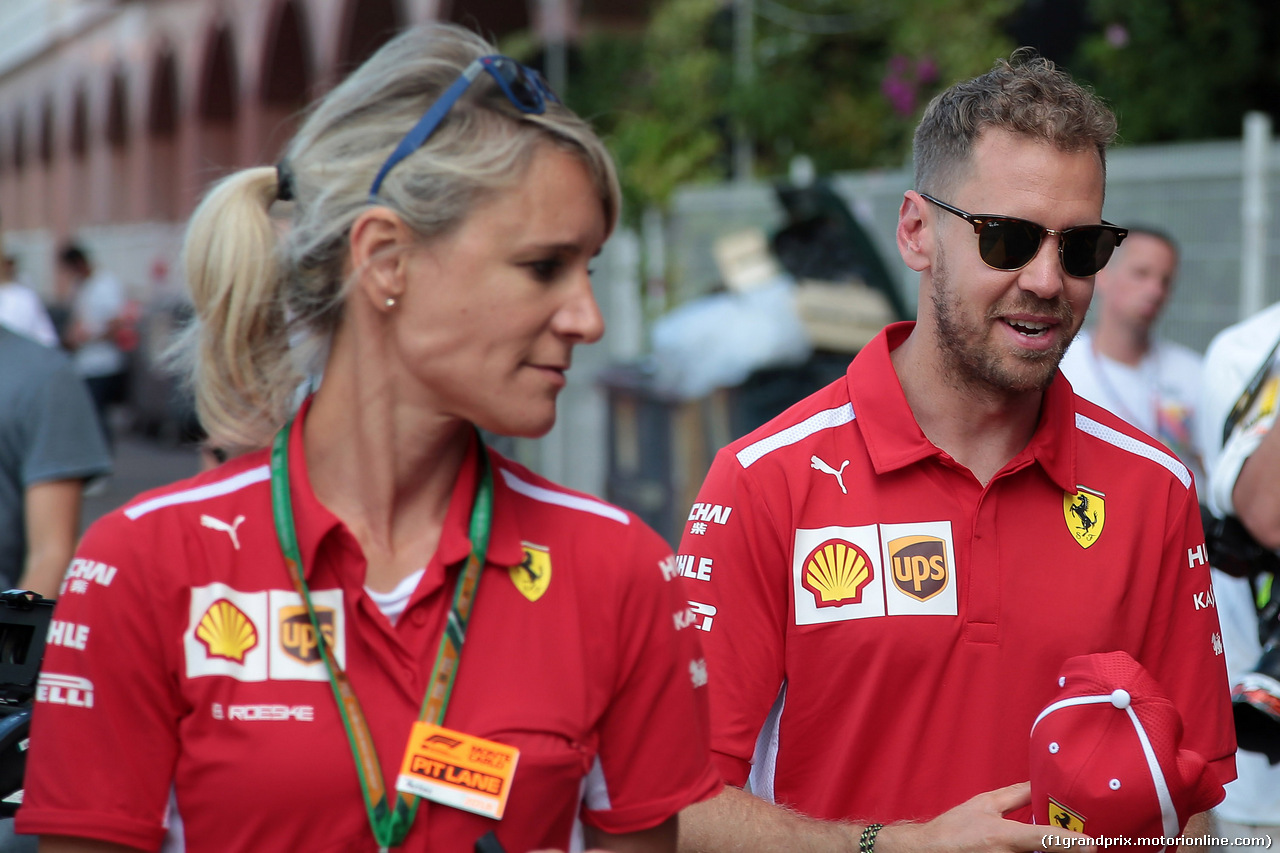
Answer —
200 493
1138 448
826 419
538 493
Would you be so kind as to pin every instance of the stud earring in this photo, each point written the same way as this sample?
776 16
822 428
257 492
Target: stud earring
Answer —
390 302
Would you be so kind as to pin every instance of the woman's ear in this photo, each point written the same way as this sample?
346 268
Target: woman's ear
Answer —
379 240
915 234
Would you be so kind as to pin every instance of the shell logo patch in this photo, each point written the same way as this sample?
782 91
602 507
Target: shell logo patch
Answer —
298 637
533 575
226 632
1064 818
836 573
1085 512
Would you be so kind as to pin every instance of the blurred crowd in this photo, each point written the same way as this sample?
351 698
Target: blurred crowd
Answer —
65 367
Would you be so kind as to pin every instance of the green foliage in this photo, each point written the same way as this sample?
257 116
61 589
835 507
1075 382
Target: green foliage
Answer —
1182 69
667 100
856 96
657 99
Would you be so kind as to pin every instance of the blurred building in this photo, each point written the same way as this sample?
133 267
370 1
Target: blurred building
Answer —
115 115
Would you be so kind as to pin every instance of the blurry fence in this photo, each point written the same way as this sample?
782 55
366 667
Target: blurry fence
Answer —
1193 191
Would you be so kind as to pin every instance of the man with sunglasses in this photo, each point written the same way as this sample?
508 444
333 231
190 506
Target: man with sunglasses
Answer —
891 573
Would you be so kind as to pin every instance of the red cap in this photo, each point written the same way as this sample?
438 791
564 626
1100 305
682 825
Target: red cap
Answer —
1106 756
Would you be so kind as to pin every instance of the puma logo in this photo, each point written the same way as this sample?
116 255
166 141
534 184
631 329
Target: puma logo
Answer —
818 465
218 524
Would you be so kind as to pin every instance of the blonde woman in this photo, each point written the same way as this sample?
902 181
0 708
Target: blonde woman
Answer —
377 633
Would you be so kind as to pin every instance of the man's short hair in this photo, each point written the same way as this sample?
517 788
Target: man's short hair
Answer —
1025 94
1145 230
72 255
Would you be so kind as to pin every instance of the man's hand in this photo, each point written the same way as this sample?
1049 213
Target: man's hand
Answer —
737 821
978 824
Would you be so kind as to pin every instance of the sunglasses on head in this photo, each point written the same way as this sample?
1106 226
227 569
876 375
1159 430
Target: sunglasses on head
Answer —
1007 243
524 88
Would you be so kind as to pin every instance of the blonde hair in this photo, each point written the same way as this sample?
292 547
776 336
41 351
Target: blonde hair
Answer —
1026 95
266 299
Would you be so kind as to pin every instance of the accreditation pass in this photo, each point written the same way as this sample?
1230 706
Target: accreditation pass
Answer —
458 770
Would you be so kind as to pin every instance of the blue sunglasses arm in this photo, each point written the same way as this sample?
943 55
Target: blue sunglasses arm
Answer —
427 124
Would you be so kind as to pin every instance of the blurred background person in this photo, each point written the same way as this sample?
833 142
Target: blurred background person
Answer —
21 310
1242 459
1121 364
97 313
50 445
445 208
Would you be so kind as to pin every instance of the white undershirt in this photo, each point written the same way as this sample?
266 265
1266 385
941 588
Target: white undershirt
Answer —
393 603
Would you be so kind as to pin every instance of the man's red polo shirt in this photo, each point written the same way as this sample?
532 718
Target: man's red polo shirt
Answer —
882 629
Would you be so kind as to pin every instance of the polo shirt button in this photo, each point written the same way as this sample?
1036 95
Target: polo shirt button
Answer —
419 618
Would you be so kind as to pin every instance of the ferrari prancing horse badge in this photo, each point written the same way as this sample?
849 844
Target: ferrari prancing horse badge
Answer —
533 575
1085 512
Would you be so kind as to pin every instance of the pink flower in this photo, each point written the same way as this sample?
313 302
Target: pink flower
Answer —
900 94
926 70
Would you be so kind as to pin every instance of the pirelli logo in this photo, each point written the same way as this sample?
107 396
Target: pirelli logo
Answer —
919 566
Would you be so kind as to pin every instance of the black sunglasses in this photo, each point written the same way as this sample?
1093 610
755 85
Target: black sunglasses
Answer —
1007 243
524 88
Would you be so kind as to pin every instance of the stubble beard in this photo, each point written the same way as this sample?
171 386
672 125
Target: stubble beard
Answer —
969 359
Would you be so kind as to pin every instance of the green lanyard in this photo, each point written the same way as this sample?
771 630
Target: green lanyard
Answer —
390 823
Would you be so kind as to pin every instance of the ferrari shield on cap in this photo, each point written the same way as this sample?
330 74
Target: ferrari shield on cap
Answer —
1107 757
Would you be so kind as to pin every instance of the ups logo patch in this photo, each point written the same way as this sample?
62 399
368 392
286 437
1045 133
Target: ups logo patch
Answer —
298 637
919 566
